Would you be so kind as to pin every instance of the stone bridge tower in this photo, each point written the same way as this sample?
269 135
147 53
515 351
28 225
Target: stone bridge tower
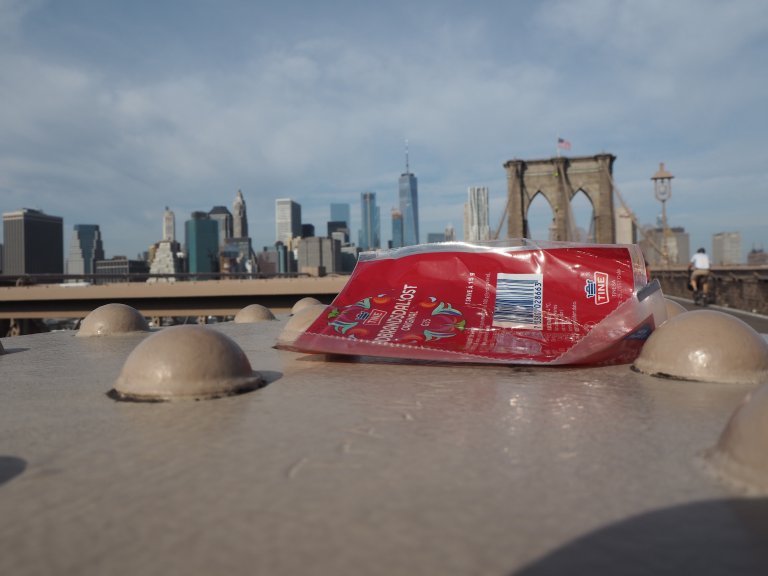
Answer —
558 180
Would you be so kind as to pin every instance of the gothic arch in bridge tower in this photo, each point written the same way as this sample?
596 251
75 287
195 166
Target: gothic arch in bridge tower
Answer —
559 180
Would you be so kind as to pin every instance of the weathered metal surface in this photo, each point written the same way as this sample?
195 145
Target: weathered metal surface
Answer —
358 466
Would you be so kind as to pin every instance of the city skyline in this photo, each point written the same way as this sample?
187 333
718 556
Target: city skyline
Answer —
209 244
157 106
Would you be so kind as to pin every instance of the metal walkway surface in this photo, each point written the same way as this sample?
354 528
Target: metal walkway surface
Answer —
363 466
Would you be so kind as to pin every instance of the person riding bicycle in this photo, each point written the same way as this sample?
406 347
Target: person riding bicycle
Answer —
699 266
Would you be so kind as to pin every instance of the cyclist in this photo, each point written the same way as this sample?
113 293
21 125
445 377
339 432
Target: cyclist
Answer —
699 267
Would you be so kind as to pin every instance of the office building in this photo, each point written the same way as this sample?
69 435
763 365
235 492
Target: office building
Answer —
757 256
726 248
340 212
434 237
307 230
33 243
339 227
349 254
85 248
287 220
409 205
201 235
286 261
476 227
626 229
267 261
370 233
397 229
169 225
239 217
223 216
120 269
675 243
166 261
450 233
319 256
236 257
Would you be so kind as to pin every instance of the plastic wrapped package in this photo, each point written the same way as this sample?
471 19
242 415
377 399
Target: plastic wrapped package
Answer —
532 303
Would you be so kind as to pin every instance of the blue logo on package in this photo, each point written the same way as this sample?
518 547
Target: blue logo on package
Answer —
597 289
589 288
362 316
640 333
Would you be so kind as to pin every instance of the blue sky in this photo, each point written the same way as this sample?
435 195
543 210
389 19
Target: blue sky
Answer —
112 110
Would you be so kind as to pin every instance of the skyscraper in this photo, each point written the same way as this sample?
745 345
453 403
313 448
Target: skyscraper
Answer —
726 248
319 256
287 220
397 228
33 243
239 217
626 230
341 213
339 230
675 242
169 225
476 228
201 235
224 217
409 205
85 248
370 233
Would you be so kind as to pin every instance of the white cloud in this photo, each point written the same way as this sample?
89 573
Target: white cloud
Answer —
320 113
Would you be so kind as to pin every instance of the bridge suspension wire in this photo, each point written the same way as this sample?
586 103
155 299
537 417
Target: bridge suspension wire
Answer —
571 233
501 222
647 235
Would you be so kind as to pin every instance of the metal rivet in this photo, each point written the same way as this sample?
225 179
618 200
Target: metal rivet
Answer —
185 362
254 313
673 308
112 319
705 345
303 303
299 322
741 453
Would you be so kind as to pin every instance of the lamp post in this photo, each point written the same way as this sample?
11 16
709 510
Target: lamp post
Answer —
662 189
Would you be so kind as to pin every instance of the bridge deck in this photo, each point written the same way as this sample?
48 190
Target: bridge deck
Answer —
359 466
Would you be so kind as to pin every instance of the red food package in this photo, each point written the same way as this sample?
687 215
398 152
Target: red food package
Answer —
553 303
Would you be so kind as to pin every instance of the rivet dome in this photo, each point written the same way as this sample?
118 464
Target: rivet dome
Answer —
185 362
254 313
705 345
112 319
741 453
299 322
673 308
303 303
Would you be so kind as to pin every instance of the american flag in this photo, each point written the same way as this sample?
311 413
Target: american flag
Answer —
564 144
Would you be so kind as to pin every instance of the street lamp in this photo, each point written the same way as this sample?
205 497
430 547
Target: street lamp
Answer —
662 189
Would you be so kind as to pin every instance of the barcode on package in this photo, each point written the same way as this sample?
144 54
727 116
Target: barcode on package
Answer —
518 301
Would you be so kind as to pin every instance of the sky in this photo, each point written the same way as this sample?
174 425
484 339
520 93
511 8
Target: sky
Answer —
111 111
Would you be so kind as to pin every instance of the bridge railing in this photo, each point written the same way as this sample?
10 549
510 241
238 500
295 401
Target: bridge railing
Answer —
113 277
740 287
